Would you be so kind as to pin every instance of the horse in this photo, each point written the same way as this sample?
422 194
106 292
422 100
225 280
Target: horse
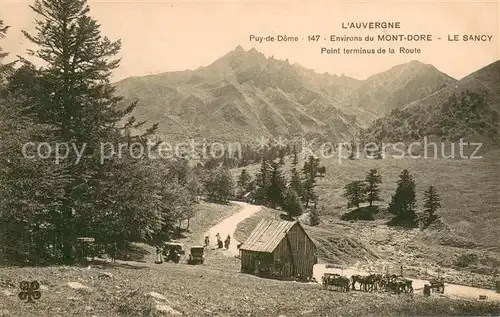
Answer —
370 282
366 283
378 281
357 279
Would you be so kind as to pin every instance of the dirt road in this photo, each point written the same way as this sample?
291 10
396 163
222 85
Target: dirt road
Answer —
451 290
229 225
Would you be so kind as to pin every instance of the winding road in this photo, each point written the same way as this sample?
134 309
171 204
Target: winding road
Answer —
229 225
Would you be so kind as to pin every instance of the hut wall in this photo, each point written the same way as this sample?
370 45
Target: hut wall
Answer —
297 253
250 258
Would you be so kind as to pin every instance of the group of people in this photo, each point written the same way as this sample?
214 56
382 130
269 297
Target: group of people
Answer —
220 244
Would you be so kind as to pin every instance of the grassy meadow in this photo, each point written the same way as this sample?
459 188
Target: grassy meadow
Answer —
146 289
462 245
142 288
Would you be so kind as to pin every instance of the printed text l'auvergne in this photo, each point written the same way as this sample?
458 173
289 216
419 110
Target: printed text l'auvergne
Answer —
371 25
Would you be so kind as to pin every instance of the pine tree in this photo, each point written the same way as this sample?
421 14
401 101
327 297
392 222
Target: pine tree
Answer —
355 193
310 172
74 95
314 219
276 186
432 203
219 185
262 181
281 155
243 182
403 202
373 179
6 69
352 154
31 187
321 171
292 204
194 185
295 181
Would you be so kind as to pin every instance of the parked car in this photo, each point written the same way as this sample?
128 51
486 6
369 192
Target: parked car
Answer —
197 255
170 254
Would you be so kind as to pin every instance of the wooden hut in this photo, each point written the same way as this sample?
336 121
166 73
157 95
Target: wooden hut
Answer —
278 249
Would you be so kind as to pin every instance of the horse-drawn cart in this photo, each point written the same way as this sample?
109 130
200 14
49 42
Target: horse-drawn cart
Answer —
437 286
341 283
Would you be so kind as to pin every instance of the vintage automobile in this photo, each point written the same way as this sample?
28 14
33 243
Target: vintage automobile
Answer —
197 255
170 254
437 285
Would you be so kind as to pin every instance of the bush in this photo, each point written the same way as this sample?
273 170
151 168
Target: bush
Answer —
363 213
466 260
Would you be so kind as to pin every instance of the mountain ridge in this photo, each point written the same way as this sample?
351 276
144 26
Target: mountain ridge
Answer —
245 94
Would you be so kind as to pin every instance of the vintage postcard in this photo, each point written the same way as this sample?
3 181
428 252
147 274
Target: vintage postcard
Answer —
249 158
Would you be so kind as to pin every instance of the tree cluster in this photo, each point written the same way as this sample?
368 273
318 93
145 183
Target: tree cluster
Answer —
403 202
46 204
247 156
362 191
271 187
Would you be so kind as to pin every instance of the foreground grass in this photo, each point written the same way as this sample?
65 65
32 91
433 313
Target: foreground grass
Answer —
213 289
205 291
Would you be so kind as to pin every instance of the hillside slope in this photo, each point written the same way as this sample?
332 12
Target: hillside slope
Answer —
467 108
400 85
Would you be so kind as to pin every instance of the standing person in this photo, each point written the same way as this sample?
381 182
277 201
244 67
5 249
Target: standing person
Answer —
158 255
176 256
115 251
207 241
228 240
219 242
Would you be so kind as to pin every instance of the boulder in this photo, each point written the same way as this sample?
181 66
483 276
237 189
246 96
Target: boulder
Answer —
104 275
167 309
76 285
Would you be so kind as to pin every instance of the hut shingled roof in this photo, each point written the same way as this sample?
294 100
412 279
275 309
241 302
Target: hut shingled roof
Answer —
267 235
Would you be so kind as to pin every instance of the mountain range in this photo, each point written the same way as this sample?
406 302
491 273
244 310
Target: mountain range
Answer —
245 95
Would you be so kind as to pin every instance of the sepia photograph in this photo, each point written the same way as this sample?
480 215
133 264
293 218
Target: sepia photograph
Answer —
249 158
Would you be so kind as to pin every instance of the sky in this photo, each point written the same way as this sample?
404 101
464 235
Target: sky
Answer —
160 36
